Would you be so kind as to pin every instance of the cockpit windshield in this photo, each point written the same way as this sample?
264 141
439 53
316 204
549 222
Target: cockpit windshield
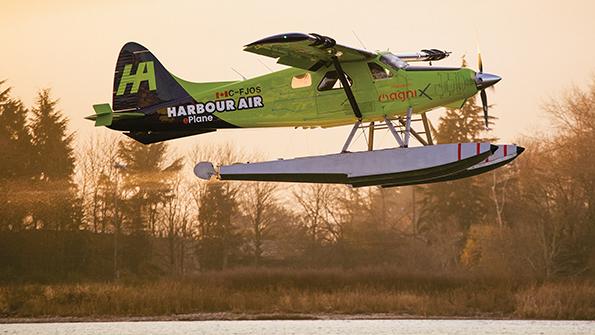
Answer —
393 61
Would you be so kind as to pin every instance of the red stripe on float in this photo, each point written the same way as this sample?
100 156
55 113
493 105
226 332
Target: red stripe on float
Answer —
505 150
459 151
478 144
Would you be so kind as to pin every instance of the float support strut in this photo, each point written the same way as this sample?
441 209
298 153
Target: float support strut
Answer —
350 137
408 126
392 129
427 129
371 137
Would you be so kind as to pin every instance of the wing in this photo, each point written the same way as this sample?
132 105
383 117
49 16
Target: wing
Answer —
306 51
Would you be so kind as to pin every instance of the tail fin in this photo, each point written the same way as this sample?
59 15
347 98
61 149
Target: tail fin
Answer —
141 81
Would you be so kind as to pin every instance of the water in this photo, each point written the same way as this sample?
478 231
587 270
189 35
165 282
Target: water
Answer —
305 327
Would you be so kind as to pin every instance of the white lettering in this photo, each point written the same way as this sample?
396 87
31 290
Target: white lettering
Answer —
229 105
191 109
220 105
210 107
171 112
258 101
242 103
200 118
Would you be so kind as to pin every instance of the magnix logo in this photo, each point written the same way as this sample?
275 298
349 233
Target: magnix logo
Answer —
145 71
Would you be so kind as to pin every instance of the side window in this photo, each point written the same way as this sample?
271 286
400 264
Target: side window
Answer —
301 80
331 81
378 72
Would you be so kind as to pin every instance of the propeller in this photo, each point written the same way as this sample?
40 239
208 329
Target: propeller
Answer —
483 81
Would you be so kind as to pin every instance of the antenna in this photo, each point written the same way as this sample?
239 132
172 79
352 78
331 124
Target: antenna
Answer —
263 64
236 71
360 41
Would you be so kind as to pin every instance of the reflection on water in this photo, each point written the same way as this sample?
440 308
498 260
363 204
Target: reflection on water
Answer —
331 327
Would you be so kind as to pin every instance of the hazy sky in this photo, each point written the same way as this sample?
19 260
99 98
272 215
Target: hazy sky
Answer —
540 48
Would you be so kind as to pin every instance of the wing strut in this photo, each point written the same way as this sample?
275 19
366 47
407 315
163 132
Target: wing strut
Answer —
347 88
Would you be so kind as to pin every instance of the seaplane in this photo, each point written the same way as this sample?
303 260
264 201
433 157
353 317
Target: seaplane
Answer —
325 85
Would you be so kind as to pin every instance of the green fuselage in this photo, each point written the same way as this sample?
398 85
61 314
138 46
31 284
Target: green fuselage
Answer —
295 98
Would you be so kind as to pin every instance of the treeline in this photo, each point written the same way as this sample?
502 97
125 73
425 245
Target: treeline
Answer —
114 208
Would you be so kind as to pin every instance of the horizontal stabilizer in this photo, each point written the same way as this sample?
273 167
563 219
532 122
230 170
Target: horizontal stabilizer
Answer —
104 115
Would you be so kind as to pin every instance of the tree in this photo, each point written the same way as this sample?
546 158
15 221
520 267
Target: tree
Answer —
57 206
259 205
556 187
461 202
97 179
16 166
218 235
216 203
548 208
147 181
15 138
175 221
449 209
315 201
51 140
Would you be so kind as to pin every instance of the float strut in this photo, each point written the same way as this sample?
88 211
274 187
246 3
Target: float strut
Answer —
350 137
371 137
408 126
392 129
427 129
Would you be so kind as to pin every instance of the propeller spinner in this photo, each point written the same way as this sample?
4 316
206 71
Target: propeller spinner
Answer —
483 81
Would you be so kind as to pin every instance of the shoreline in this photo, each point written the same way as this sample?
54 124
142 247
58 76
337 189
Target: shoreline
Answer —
226 316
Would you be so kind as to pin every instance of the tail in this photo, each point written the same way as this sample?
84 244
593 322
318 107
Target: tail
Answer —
141 81
141 86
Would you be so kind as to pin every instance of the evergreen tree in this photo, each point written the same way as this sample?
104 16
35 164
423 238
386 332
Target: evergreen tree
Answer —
53 145
465 201
147 182
15 139
56 202
218 239
15 167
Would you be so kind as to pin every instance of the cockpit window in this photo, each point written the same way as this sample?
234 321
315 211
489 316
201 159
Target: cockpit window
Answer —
301 80
393 61
331 81
378 72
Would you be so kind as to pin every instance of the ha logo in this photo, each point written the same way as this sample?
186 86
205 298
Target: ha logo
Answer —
145 71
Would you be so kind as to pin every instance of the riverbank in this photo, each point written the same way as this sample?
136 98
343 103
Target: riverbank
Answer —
259 294
240 317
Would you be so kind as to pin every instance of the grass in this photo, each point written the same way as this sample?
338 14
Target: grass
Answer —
285 291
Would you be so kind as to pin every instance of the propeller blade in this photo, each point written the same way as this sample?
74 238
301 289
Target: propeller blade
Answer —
479 62
484 105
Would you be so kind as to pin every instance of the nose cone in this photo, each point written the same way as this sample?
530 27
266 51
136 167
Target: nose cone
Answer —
485 80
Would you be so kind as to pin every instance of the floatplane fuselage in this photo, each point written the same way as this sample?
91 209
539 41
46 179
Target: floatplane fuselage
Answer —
326 85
